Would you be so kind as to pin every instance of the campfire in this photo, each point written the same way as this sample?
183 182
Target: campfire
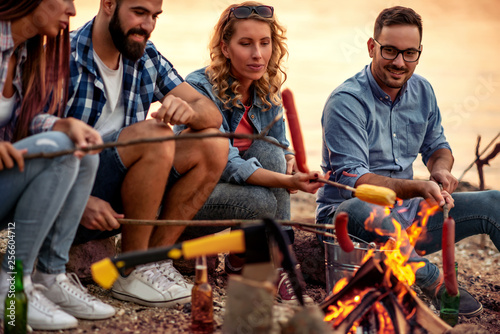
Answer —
379 299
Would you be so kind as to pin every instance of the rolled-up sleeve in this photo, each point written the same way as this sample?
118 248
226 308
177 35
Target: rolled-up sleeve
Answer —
42 123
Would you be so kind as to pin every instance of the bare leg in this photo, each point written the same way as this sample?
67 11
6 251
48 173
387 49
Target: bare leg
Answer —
144 185
201 163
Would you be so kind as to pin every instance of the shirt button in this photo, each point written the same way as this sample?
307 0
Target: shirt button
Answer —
397 159
394 135
386 97
381 99
252 116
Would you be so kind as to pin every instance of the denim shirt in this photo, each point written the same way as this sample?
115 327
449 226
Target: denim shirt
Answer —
238 170
365 132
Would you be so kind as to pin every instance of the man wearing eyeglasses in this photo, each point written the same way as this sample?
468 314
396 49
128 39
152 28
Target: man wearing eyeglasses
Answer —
374 126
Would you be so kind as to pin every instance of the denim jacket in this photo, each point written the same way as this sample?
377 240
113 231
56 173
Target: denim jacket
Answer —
237 169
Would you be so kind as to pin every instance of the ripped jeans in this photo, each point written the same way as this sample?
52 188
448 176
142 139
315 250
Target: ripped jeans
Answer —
42 206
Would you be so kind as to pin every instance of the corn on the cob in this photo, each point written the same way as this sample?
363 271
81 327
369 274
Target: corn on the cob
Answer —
368 193
375 194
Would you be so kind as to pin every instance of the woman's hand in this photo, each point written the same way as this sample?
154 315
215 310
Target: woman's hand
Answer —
80 133
307 182
9 156
291 164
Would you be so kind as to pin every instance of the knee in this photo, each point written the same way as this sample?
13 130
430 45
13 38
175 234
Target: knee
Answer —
270 156
90 163
214 150
158 151
490 201
53 141
492 198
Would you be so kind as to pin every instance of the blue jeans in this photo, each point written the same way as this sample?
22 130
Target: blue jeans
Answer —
43 205
235 201
474 213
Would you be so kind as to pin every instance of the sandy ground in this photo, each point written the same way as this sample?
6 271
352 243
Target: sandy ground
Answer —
478 272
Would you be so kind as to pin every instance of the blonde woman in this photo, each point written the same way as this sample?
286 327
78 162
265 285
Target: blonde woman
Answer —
244 79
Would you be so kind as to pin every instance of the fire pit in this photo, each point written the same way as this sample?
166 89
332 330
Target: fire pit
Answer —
375 301
342 265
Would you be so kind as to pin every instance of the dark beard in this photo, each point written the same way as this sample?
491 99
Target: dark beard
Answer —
129 49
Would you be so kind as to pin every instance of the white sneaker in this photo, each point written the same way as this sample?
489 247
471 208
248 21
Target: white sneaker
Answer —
70 295
146 285
167 268
44 314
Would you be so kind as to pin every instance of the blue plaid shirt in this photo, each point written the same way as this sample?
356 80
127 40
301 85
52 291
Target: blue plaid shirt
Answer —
145 81
6 52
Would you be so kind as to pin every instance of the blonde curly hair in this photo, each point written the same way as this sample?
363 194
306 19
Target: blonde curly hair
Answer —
218 72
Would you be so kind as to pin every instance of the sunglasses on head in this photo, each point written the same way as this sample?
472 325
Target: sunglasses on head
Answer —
243 12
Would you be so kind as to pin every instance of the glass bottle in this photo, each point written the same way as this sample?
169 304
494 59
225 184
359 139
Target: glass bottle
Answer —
450 305
202 310
16 303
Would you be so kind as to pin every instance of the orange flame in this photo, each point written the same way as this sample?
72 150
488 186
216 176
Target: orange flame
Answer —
397 251
341 310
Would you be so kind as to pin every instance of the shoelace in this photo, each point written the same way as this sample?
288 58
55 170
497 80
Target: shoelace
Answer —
168 269
38 300
73 285
153 275
288 285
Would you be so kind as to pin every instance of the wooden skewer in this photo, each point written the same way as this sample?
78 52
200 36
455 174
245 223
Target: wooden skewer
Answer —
367 192
227 222
259 136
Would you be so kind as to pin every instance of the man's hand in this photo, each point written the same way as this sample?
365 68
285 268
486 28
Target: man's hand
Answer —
444 177
10 155
431 191
174 111
80 133
99 215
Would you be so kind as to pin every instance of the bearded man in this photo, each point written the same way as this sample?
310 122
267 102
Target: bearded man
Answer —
116 73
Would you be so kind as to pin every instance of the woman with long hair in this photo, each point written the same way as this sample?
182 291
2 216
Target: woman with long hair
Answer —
244 79
42 200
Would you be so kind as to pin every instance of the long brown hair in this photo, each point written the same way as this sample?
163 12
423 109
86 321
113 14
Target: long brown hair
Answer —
45 71
219 69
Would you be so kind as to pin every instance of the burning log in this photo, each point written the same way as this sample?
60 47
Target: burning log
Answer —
377 304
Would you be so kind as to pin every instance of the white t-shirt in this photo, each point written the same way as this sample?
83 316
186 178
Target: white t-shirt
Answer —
7 105
113 113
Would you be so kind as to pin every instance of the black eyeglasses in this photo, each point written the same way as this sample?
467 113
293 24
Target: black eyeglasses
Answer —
390 53
243 12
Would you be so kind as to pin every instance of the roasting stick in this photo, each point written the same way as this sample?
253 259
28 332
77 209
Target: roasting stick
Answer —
308 227
220 222
259 136
368 193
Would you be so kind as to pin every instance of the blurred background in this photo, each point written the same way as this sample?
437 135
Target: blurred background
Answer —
327 44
